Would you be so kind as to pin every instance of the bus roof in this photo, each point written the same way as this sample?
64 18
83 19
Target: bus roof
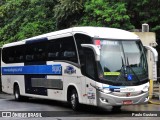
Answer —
105 32
98 32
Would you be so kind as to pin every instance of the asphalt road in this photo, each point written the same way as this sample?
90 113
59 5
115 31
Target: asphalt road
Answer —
40 109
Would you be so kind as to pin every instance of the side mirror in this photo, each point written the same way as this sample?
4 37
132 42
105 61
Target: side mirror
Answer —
154 51
152 62
95 50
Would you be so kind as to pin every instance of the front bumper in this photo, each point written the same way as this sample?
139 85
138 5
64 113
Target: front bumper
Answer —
104 100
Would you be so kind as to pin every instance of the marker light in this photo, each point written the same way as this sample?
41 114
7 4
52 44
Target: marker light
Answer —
97 42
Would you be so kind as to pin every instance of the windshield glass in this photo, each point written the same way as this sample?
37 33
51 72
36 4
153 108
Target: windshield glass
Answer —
122 61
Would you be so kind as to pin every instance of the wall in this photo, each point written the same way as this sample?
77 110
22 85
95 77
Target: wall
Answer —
149 39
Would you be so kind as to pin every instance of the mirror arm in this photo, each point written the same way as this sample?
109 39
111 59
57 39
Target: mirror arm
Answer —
95 49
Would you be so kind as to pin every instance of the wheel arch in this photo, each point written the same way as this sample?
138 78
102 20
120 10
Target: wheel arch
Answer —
69 90
14 85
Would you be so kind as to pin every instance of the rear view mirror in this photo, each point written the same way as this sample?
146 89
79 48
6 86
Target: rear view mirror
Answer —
95 50
152 62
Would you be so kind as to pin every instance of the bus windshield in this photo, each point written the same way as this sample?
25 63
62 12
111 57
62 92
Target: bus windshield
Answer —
122 61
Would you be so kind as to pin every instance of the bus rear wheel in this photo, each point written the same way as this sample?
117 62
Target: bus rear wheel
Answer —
74 100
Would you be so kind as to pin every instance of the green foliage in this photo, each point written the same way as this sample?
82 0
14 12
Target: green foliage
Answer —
67 12
145 11
20 19
106 13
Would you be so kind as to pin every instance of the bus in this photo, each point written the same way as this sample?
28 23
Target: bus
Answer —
96 66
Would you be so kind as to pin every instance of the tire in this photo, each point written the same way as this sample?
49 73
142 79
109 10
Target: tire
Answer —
74 100
17 95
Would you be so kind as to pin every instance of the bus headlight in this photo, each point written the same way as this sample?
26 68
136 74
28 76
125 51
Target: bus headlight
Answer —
103 100
106 91
100 89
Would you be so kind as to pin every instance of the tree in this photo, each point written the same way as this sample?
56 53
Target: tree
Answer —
145 11
20 19
67 12
106 13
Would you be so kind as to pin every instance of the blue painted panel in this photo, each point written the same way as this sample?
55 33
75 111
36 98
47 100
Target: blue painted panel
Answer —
114 88
33 69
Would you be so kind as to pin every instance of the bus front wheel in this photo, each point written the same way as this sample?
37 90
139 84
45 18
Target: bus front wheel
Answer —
17 93
74 100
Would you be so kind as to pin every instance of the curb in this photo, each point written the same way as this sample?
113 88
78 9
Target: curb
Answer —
153 102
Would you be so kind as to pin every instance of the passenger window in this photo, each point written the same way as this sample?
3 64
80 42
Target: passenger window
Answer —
13 54
53 50
62 49
82 39
36 52
7 54
68 50
19 53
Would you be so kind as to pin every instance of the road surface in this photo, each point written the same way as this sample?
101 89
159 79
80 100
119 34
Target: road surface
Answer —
40 109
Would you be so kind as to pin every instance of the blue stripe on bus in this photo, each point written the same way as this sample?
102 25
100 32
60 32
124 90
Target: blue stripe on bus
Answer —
114 87
33 69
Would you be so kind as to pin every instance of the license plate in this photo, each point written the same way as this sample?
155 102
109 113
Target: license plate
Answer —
127 102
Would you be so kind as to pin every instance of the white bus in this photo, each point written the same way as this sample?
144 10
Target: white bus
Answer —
82 65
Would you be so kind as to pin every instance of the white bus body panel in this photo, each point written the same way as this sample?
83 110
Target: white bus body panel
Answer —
9 80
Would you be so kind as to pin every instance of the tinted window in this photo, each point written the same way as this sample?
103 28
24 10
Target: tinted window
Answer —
54 49
89 63
62 49
57 49
13 54
35 52
82 39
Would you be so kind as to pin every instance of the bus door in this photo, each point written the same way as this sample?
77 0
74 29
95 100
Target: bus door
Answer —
35 64
90 76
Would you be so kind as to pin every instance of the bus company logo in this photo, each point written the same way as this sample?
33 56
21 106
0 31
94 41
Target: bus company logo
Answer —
69 70
57 69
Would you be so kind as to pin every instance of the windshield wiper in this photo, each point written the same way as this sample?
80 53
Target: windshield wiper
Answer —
123 70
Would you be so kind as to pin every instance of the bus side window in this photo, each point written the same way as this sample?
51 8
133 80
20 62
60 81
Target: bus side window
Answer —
36 52
82 39
53 49
68 50
13 54
29 57
40 51
29 54
8 55
19 53
89 63
62 49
